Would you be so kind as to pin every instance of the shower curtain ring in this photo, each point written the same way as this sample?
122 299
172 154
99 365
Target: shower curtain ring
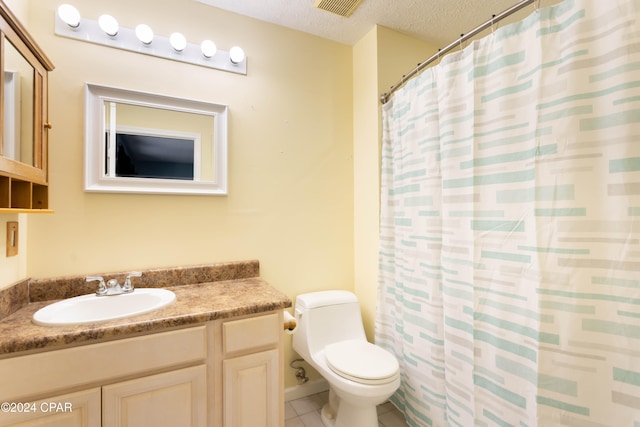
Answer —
493 24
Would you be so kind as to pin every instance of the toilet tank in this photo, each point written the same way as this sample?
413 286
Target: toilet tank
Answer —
326 317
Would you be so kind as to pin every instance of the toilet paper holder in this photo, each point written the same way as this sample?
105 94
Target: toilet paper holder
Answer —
289 322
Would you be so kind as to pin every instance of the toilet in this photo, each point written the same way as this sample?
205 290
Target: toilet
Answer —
330 337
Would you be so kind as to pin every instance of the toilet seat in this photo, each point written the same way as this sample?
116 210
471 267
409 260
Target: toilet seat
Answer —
362 362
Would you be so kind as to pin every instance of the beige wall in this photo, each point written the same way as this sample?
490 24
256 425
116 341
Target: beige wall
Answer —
290 191
379 60
303 155
19 8
290 199
365 174
14 268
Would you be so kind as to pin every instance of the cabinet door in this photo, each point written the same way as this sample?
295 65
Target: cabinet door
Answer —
251 390
81 409
177 399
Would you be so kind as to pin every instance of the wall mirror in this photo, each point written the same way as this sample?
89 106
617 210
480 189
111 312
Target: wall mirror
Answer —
18 102
138 142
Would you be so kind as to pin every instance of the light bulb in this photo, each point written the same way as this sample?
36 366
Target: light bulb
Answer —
236 55
108 24
69 15
144 33
208 48
178 41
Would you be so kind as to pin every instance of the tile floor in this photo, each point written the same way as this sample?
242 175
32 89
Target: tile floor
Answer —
305 412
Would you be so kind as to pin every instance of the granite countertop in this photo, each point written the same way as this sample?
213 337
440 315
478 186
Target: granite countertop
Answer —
195 303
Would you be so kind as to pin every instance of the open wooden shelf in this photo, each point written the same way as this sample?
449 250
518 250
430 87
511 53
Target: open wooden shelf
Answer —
18 196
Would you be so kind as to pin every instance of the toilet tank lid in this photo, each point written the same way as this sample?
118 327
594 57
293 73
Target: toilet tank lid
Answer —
324 298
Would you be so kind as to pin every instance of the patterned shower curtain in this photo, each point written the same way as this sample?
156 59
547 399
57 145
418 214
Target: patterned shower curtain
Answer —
510 226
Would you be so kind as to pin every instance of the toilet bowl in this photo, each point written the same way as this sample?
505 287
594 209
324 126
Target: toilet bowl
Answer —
330 337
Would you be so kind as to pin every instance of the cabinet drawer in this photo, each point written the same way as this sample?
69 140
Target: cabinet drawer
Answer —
43 373
251 333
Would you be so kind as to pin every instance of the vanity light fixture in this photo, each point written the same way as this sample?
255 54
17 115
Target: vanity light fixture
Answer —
208 48
108 24
178 42
107 32
236 55
144 33
69 15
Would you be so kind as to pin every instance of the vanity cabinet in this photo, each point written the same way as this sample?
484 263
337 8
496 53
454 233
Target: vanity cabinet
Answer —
176 398
24 176
166 371
250 359
222 373
80 409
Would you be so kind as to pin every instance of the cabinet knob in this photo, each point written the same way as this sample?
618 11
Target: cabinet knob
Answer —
47 125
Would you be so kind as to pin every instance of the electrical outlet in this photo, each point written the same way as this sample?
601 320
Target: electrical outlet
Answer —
12 238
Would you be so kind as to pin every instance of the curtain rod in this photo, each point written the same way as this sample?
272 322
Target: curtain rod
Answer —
384 98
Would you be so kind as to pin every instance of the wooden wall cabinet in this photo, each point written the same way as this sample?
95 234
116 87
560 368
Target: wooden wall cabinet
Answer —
24 147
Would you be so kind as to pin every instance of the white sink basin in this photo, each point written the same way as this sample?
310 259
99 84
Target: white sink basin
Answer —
92 308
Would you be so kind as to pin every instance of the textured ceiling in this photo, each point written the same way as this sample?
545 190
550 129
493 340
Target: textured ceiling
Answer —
439 22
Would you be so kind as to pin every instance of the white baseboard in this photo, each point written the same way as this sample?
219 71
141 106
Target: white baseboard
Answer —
306 389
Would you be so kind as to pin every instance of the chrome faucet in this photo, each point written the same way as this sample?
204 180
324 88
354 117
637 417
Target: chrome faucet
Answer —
112 287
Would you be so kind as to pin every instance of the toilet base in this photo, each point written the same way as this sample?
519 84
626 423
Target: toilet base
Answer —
327 416
349 416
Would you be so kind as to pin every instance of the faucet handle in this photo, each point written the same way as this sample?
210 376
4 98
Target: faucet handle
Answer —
128 287
102 287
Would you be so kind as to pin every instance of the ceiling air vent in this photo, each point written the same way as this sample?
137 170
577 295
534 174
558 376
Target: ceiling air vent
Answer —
339 7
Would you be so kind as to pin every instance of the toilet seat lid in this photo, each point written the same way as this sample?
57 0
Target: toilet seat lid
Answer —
361 361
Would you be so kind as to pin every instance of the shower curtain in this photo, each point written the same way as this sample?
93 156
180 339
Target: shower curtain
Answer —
510 226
